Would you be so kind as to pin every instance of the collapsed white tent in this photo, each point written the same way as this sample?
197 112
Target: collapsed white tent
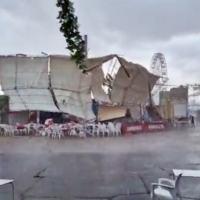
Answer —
95 68
130 87
25 81
132 83
72 88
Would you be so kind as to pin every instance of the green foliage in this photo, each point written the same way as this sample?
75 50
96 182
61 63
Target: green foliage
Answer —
70 29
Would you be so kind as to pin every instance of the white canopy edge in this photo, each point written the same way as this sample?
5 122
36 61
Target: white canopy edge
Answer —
31 100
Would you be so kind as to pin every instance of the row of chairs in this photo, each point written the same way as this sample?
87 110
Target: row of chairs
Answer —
61 130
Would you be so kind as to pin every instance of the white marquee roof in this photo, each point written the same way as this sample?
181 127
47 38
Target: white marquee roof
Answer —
26 81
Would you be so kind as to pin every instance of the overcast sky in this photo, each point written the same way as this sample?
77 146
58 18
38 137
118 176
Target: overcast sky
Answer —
135 29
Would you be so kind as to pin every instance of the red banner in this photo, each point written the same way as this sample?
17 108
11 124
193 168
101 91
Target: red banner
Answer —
143 127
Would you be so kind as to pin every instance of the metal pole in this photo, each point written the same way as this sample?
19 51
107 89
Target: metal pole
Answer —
86 45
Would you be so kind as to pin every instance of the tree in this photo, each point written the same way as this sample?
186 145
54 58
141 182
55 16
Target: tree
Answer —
70 28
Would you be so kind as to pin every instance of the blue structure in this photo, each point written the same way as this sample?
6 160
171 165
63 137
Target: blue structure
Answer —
95 107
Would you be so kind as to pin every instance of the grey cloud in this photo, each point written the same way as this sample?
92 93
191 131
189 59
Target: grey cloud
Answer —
189 52
133 28
30 10
142 19
184 55
30 27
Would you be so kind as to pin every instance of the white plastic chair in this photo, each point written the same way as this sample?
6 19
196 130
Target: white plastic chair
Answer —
170 190
118 128
6 182
100 130
73 132
111 128
106 130
57 132
82 134
91 127
6 130
48 132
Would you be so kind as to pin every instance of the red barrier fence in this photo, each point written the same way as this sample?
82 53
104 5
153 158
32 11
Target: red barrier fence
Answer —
135 127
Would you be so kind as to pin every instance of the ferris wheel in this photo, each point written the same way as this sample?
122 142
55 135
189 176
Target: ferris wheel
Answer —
159 68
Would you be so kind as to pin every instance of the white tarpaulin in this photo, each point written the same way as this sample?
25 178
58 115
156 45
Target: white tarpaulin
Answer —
7 72
95 67
15 102
66 75
133 89
96 86
77 104
69 84
32 72
72 88
38 99
25 81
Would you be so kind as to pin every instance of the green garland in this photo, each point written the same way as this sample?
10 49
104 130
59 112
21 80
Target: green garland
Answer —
70 29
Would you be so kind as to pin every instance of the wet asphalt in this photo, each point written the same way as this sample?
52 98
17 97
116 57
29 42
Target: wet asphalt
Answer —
98 168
